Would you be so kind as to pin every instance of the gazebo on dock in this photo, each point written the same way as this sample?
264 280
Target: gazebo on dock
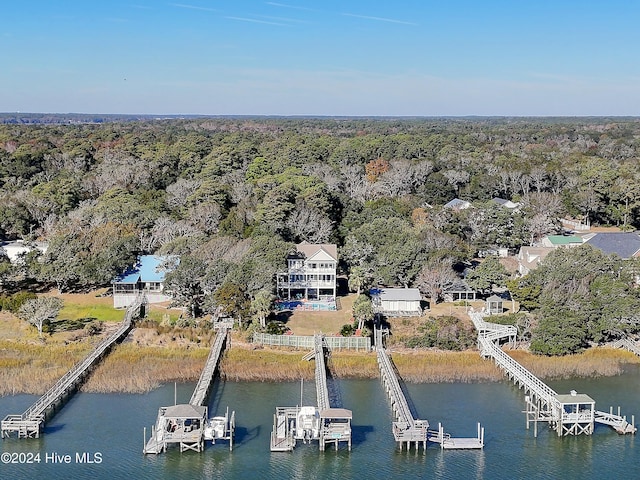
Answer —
335 427
576 414
183 424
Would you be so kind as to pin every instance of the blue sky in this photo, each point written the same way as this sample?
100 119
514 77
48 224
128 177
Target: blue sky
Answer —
302 57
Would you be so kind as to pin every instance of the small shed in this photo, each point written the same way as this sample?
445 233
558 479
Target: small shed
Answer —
494 305
397 302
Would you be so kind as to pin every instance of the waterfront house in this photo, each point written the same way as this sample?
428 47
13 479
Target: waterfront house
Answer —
311 273
530 257
458 290
624 244
506 203
457 204
16 249
147 276
397 302
561 241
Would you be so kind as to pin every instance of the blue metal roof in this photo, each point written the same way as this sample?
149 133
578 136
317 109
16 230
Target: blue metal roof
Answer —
146 270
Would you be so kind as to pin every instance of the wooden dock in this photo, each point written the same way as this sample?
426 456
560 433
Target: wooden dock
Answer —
324 423
31 423
407 429
570 414
322 391
203 387
187 424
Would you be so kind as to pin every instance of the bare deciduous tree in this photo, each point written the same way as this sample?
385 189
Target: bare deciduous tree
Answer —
40 310
308 224
179 192
434 276
456 178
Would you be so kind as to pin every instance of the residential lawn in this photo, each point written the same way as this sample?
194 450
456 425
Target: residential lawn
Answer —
157 314
88 305
308 323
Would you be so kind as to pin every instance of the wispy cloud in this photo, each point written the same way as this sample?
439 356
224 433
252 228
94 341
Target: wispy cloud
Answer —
282 19
379 19
193 7
253 20
295 7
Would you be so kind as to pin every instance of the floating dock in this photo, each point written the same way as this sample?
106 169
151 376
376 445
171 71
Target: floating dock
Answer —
407 429
323 423
187 425
568 414
31 423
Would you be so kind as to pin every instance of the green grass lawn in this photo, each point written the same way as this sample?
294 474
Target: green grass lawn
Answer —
156 314
75 311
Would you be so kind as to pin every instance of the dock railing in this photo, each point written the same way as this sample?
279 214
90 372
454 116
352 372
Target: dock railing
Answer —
308 342
203 386
32 418
544 404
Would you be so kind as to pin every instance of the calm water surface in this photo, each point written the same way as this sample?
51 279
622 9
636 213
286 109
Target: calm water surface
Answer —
112 425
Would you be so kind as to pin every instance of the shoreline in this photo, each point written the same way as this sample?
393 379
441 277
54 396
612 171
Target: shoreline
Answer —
154 355
132 368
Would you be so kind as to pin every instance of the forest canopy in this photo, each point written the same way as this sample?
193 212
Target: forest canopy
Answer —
233 195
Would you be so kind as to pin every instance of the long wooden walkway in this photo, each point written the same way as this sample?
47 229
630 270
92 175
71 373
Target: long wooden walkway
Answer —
203 387
322 391
31 422
408 429
543 403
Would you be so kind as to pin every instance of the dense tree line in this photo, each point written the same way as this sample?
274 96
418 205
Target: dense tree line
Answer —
232 196
579 296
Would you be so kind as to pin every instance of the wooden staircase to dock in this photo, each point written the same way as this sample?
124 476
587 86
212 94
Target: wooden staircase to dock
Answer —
627 344
543 403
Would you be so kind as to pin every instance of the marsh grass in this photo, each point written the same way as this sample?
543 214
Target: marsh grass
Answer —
265 365
436 366
33 367
595 362
159 354
137 369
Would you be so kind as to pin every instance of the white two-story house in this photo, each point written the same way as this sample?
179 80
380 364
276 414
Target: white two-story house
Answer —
311 273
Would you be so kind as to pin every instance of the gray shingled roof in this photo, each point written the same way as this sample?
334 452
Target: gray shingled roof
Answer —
624 244
393 294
